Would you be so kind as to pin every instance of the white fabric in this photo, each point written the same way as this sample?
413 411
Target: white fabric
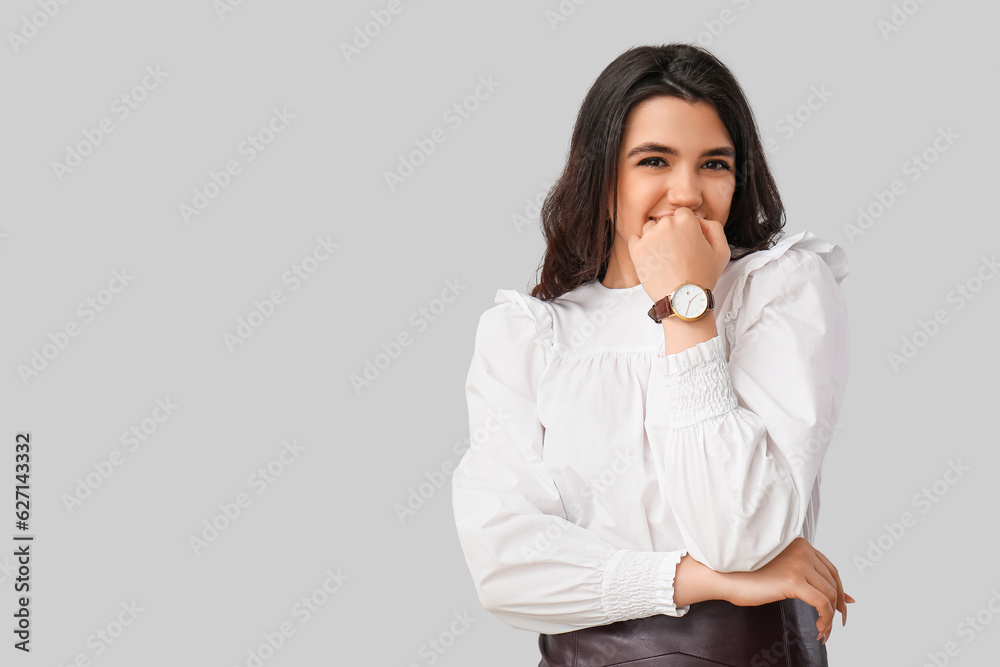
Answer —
596 461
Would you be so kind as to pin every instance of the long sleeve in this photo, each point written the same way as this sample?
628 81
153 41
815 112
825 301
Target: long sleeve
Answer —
739 445
533 567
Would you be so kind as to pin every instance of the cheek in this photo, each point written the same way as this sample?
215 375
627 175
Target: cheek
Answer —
630 196
722 195
638 195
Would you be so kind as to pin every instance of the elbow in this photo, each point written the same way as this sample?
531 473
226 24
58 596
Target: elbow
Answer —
740 558
756 532
745 549
496 598
492 600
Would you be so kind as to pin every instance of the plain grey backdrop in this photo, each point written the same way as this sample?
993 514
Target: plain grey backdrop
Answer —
201 254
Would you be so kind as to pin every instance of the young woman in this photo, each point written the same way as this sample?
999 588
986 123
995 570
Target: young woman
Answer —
649 424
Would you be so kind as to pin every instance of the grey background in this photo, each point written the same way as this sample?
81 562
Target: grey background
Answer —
323 176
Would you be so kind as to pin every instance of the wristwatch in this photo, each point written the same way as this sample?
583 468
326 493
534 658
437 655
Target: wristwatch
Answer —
689 302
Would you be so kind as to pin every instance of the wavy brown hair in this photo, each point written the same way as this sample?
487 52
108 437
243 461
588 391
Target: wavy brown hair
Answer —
579 234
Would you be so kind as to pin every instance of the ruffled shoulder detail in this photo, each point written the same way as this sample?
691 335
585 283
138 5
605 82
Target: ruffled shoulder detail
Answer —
534 307
832 254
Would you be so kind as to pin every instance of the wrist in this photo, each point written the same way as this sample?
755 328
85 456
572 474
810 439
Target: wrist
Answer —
688 302
696 582
679 335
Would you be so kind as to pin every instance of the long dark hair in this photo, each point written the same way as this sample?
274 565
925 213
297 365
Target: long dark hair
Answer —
578 233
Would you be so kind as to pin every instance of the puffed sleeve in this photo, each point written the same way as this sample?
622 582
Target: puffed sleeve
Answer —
739 444
533 567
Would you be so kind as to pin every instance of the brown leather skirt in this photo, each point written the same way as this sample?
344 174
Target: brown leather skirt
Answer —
714 632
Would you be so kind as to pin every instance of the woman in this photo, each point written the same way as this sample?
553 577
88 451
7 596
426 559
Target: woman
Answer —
648 426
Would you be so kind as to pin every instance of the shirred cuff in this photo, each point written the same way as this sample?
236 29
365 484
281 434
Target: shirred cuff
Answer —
698 383
638 584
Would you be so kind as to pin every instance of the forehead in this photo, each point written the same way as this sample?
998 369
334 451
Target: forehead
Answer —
675 120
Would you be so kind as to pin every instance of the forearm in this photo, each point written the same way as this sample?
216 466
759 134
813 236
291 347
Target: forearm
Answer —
679 335
695 582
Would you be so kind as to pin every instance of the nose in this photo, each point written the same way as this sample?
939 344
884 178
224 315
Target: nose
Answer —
683 189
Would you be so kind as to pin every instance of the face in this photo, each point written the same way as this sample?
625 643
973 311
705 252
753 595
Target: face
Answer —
673 154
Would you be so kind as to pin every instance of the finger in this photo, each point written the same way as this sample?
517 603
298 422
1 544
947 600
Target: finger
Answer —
715 233
821 577
818 580
818 600
683 212
841 600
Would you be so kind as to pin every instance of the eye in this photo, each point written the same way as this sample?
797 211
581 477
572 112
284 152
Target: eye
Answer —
724 166
646 162
721 165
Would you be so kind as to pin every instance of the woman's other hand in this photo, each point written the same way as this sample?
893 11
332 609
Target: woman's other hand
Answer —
800 571
680 247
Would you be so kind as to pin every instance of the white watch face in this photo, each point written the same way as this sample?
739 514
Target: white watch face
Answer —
689 301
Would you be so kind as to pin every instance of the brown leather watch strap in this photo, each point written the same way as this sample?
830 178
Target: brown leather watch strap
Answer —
661 309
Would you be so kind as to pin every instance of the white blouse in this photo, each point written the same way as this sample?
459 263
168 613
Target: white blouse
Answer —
596 461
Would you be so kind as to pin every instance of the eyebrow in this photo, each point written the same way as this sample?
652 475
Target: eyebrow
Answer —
650 147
